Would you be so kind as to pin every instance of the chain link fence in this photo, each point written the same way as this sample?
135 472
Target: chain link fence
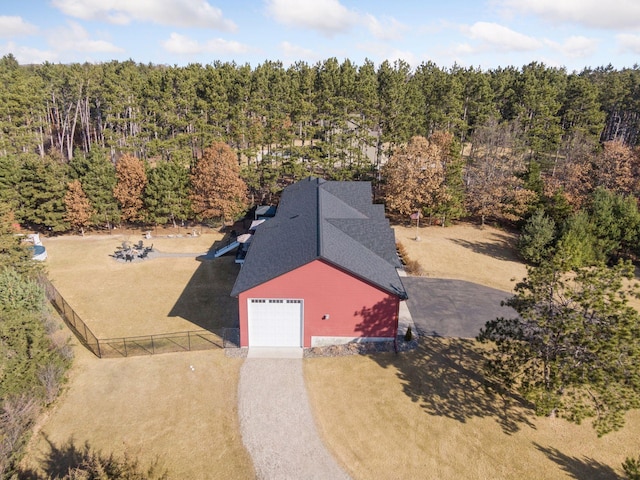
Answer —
142 345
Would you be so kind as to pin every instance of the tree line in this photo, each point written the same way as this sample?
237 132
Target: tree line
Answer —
157 110
515 136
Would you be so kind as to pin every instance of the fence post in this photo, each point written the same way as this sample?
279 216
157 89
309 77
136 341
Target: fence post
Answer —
189 340
153 348
124 343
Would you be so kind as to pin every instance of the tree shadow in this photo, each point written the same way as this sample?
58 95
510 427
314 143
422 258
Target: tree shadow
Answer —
61 460
378 320
58 461
445 376
501 249
580 468
206 299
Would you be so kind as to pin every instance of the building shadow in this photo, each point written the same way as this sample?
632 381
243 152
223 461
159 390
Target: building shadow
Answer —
584 468
206 299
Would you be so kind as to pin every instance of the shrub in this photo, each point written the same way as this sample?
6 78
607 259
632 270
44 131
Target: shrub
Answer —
631 467
408 336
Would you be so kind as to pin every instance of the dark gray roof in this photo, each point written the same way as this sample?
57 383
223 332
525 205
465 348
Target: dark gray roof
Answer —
332 221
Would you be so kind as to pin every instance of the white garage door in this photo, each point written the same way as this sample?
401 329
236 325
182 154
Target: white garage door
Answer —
275 322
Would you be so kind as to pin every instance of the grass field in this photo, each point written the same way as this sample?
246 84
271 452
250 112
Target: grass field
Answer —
153 296
421 414
425 414
155 406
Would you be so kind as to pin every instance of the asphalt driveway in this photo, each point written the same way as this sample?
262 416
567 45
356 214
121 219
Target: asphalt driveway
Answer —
453 308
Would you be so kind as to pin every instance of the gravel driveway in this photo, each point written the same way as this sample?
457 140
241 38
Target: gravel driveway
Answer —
276 423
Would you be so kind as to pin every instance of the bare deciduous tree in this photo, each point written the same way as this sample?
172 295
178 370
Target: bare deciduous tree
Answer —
494 187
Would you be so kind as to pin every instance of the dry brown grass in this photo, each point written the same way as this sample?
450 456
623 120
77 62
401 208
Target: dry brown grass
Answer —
465 252
152 406
425 413
153 296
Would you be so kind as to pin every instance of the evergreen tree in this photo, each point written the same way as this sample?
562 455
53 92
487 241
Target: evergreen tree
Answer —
536 238
631 467
573 349
166 195
42 188
98 178
577 246
9 179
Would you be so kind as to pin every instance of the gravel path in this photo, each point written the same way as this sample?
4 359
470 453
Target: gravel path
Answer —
276 423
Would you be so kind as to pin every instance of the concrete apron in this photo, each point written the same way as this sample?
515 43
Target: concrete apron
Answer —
275 352
277 426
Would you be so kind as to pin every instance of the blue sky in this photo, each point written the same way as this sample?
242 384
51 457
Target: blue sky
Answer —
479 33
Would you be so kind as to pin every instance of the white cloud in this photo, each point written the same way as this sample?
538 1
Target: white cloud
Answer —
183 45
14 26
628 43
327 16
74 37
28 55
575 46
388 29
181 13
492 36
297 52
610 14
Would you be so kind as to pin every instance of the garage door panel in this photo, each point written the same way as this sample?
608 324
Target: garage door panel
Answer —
275 322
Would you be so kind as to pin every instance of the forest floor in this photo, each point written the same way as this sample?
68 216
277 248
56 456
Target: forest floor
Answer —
420 414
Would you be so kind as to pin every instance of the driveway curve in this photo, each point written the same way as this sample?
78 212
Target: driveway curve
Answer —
453 308
276 423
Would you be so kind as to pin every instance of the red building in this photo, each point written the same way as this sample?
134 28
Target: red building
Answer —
323 271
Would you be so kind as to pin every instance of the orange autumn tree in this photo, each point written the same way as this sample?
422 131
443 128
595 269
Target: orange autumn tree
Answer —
77 205
415 177
216 187
131 181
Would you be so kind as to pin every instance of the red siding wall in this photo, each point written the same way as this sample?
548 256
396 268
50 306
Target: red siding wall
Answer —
355 308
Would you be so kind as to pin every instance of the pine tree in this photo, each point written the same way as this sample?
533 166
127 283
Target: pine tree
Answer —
98 177
216 187
573 348
42 187
166 195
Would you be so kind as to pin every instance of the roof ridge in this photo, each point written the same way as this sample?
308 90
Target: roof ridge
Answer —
318 220
329 220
